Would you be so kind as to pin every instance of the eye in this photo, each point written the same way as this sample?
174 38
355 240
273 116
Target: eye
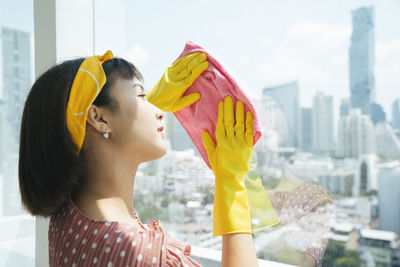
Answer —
142 95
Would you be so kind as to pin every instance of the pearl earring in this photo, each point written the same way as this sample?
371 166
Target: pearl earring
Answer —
106 135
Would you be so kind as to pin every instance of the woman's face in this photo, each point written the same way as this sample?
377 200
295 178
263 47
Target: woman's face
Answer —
135 128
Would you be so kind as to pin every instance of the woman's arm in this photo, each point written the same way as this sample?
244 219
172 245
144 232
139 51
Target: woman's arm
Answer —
238 250
229 159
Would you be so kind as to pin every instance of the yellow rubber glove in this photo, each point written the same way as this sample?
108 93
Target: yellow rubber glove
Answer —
229 160
167 94
262 212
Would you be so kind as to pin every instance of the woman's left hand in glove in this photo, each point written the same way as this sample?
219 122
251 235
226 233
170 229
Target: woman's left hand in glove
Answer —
167 95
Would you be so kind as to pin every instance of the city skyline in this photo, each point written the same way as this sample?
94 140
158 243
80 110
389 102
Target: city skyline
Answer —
314 193
264 56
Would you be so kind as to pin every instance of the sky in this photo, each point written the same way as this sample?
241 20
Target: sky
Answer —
261 43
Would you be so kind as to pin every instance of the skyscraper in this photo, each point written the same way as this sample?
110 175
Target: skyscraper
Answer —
376 113
306 129
365 178
344 107
356 135
396 114
1 63
389 193
16 75
286 99
2 115
387 143
322 121
362 59
177 136
7 145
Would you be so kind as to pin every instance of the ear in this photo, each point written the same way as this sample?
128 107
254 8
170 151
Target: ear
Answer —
97 117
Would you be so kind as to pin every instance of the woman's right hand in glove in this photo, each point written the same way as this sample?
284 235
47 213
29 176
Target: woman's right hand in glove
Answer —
229 159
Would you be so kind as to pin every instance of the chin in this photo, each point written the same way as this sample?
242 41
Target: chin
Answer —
162 150
157 151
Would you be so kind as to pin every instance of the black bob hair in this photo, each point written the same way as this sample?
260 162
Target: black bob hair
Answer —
49 169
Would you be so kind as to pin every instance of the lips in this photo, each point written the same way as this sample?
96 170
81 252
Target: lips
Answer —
160 129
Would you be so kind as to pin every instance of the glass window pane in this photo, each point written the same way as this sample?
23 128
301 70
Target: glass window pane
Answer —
17 227
323 79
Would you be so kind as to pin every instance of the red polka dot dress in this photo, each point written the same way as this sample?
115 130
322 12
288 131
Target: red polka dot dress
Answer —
76 240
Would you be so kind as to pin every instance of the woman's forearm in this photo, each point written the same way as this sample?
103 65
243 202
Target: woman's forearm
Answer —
238 250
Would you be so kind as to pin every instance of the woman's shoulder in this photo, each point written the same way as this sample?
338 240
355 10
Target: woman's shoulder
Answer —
72 233
70 215
74 237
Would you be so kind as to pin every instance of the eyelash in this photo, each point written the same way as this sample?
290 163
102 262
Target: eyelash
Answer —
142 95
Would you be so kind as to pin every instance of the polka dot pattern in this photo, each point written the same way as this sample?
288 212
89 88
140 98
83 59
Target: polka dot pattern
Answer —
76 240
310 208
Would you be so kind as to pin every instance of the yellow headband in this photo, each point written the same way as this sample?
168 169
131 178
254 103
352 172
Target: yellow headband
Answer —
87 84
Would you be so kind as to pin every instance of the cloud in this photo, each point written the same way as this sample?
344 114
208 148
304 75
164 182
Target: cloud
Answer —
137 55
388 50
318 53
313 51
320 32
265 40
340 60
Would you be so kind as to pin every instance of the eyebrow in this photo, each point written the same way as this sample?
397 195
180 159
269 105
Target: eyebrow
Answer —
138 84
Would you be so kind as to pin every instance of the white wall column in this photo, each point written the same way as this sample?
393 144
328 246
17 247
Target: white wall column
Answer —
64 29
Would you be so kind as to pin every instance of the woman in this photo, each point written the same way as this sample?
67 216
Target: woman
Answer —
86 126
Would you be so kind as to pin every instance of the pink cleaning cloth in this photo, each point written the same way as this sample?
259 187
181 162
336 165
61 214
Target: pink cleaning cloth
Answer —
214 84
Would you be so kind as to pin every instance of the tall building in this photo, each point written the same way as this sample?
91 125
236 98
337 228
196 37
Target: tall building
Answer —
362 59
306 129
356 135
322 121
387 143
379 248
365 178
2 135
376 113
396 114
10 199
7 145
285 98
338 181
389 198
1 62
274 123
344 107
177 135
2 109
16 75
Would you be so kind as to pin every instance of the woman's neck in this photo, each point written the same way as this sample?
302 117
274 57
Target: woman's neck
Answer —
107 191
105 209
